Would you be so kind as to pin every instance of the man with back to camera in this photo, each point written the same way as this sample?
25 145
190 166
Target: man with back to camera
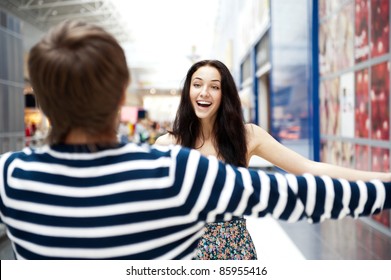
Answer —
84 195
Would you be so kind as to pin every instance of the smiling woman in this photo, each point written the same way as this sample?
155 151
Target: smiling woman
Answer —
209 98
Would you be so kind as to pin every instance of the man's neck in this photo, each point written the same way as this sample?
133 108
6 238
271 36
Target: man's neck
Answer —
78 136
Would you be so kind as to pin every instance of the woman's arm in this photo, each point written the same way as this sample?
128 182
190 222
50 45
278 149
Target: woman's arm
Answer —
262 144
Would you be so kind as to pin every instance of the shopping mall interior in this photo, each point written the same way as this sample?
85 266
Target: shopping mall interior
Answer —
315 74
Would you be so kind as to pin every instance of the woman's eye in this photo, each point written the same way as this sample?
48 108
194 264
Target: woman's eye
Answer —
196 85
215 87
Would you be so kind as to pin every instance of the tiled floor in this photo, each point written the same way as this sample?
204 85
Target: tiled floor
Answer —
346 239
5 246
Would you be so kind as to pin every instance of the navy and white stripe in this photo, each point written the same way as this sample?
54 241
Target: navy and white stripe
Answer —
138 202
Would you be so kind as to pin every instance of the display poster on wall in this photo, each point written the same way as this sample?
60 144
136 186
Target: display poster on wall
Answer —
336 41
362 157
354 88
361 108
361 36
380 159
346 97
344 39
330 107
380 96
380 31
347 154
324 49
335 152
326 7
323 106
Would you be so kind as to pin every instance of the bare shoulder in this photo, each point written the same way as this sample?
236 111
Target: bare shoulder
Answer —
165 139
254 130
257 137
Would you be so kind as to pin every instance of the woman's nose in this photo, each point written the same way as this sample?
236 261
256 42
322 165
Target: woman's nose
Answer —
204 91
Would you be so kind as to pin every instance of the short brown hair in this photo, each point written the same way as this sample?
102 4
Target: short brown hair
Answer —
78 72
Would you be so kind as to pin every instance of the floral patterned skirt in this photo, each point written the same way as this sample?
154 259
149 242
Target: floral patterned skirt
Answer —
226 241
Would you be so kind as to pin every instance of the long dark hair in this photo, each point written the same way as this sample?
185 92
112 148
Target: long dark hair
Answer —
230 133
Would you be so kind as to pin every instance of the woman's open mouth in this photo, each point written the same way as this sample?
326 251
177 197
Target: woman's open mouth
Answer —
204 104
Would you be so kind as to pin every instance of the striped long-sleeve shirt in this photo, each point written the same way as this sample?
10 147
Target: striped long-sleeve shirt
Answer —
134 202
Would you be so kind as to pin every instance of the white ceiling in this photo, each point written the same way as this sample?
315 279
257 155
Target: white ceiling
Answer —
166 36
161 37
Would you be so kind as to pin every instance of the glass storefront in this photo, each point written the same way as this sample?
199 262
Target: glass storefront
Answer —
348 42
354 59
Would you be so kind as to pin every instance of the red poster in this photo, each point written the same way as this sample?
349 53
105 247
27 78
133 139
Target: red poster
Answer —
380 159
380 27
380 96
361 109
361 38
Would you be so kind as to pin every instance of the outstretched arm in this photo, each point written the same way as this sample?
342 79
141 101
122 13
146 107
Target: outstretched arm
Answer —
319 198
287 196
264 145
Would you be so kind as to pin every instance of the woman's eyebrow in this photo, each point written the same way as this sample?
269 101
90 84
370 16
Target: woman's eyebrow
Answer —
198 78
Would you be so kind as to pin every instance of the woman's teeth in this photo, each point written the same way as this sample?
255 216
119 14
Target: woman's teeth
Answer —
204 103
